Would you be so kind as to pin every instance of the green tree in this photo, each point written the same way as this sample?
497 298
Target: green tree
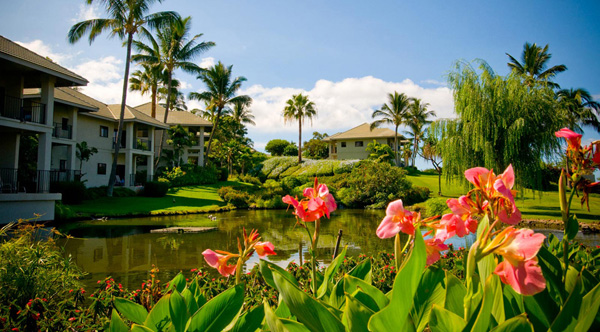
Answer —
221 92
241 112
380 152
146 81
581 109
500 122
127 18
276 146
417 118
534 63
173 50
83 153
291 150
179 138
299 108
316 148
431 152
394 112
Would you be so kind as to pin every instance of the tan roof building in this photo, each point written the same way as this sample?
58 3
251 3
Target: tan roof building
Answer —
175 117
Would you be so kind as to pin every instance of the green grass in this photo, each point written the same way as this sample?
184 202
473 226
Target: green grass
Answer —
533 205
192 199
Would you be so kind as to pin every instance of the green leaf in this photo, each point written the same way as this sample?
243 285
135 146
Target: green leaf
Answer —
515 324
282 310
330 272
571 227
337 298
116 323
498 302
140 328
455 294
365 300
356 315
513 302
362 271
219 312
553 273
589 311
250 321
482 323
177 283
277 324
351 284
179 311
396 314
310 312
190 301
568 316
131 310
266 269
442 320
541 309
430 291
159 317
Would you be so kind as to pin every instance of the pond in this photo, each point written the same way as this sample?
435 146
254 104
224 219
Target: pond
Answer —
126 251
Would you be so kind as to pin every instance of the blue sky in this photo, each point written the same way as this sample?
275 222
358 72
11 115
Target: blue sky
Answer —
347 55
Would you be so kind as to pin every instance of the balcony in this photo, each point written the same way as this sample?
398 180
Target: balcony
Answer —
65 176
142 143
61 131
22 110
14 180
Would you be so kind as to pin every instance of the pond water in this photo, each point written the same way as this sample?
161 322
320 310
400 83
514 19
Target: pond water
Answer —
127 252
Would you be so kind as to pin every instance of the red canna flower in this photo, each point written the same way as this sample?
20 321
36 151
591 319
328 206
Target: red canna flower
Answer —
219 261
397 219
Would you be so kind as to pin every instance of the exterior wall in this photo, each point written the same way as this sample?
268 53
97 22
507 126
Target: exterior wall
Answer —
88 130
192 154
16 206
353 152
9 145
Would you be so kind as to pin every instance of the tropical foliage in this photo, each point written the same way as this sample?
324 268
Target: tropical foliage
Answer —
298 108
534 65
394 113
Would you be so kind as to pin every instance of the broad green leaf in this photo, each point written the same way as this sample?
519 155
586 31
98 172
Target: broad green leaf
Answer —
330 272
190 301
541 309
455 294
140 328
362 271
250 321
553 273
200 299
365 300
482 323
131 310
430 291
266 271
569 314
356 315
177 283
589 309
571 227
277 324
515 324
310 312
179 311
572 276
219 312
159 317
351 284
498 303
486 265
337 298
396 314
116 323
282 310
513 302
442 320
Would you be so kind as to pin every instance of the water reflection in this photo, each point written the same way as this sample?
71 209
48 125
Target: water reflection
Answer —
128 252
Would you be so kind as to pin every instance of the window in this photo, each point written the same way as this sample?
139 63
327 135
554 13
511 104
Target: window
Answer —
65 124
343 144
358 144
63 165
103 131
101 168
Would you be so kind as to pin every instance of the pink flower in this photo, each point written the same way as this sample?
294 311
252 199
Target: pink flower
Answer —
219 262
519 268
318 202
460 222
433 248
573 139
264 248
396 220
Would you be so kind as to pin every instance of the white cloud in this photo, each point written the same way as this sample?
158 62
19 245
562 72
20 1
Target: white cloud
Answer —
207 62
86 12
44 50
341 105
433 82
107 69
183 85
596 97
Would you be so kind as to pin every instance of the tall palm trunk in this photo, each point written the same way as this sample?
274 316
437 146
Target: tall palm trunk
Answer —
162 134
396 146
113 169
213 130
154 93
415 148
299 141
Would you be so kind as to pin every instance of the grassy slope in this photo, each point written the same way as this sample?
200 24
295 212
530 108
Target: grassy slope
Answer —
531 205
182 200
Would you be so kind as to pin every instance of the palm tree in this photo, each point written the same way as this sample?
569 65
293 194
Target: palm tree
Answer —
581 108
297 109
416 119
148 80
173 50
221 90
241 112
127 18
534 65
392 113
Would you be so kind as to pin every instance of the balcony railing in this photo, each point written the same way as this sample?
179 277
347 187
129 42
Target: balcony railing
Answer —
61 131
23 110
27 181
142 143
139 179
65 176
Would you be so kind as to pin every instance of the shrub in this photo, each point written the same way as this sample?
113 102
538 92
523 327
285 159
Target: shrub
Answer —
290 150
276 147
223 174
234 196
63 212
72 192
436 206
189 175
250 179
155 189
415 195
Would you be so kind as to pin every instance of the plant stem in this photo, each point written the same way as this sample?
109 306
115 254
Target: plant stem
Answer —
315 240
565 239
398 251
238 270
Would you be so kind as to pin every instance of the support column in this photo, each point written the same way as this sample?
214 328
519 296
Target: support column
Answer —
44 151
150 166
128 167
47 98
130 135
74 125
73 162
201 145
9 150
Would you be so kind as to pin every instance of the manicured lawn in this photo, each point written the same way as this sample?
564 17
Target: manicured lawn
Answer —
178 201
533 205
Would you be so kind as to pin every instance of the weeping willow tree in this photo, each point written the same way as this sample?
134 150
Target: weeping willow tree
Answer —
500 121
